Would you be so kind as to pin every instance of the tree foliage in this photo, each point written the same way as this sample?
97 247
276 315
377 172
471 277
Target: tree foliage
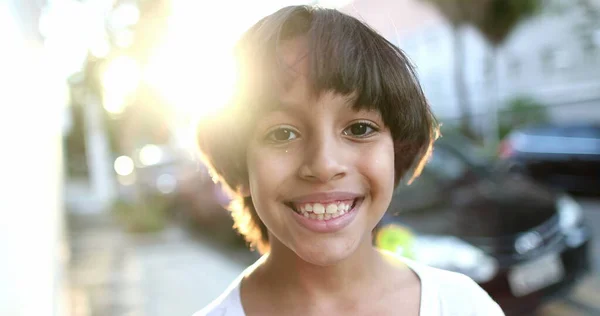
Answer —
457 12
496 19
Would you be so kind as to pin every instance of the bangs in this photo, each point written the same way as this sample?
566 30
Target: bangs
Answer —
344 55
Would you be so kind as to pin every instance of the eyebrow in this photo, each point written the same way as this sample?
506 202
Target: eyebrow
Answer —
279 106
349 102
294 109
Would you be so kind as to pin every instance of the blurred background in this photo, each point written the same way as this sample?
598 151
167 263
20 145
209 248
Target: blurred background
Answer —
107 211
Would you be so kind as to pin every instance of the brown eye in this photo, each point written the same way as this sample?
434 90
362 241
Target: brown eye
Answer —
281 135
359 130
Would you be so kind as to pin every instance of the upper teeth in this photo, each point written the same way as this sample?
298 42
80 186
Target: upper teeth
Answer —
324 211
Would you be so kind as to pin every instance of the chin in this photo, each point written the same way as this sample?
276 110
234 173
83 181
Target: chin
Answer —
327 252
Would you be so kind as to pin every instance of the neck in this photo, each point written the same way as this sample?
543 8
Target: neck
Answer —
296 276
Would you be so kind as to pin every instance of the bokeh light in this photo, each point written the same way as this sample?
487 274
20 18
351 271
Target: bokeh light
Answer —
126 180
119 80
125 15
100 49
124 165
150 155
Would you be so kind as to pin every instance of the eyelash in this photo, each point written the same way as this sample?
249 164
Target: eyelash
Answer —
374 129
280 128
369 124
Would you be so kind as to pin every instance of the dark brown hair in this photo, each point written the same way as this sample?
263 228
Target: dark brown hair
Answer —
345 56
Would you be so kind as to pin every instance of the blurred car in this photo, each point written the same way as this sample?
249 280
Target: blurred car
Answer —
562 156
162 177
520 241
156 177
202 203
177 178
203 200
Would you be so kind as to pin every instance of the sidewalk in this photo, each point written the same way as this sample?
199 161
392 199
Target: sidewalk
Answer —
170 273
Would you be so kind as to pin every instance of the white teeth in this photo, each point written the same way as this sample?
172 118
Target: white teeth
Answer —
318 208
331 208
324 211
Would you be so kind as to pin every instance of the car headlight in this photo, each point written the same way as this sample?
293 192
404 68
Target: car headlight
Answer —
569 213
454 254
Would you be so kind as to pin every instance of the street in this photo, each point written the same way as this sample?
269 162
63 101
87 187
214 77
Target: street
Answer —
584 300
177 273
171 273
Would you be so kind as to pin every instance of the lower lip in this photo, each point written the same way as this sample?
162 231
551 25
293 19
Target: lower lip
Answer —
330 225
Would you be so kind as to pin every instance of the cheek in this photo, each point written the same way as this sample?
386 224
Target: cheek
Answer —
377 165
267 171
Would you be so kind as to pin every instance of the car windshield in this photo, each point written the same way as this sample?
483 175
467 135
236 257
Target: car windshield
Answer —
447 165
453 157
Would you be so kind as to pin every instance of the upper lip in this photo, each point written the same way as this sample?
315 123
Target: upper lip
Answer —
325 197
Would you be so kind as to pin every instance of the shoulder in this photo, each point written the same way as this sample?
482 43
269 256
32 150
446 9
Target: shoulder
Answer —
227 304
457 294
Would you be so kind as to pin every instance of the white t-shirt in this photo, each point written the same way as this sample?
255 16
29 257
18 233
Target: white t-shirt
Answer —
443 293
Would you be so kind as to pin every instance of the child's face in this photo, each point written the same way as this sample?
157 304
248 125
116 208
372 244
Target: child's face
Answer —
321 174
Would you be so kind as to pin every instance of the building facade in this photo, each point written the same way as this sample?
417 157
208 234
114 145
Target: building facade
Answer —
553 57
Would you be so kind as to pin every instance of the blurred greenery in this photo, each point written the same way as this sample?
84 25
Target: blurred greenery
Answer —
396 239
145 215
519 111
522 111
587 23
458 12
75 145
144 120
495 20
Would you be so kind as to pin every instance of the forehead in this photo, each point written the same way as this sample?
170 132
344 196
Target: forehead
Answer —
293 54
295 88
294 71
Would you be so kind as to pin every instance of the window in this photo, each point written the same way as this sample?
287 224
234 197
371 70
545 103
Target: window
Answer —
555 59
547 58
514 67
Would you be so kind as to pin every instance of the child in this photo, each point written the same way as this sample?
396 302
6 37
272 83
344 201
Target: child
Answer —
327 118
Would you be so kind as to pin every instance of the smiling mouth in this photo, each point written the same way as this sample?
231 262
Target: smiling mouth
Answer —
323 211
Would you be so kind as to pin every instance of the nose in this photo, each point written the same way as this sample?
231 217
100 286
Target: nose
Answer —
323 160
